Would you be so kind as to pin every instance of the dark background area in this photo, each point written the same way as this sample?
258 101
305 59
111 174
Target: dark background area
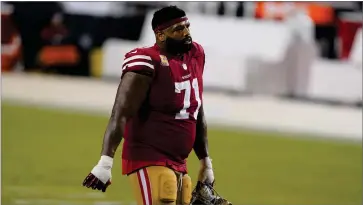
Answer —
87 32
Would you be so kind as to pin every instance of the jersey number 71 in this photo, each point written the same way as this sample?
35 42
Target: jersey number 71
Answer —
187 86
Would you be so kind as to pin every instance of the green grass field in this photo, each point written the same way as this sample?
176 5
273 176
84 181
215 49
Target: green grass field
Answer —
47 153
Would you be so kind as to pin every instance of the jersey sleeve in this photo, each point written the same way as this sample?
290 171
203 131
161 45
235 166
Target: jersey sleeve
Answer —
201 54
138 61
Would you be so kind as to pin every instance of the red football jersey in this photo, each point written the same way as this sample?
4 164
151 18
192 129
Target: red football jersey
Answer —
163 131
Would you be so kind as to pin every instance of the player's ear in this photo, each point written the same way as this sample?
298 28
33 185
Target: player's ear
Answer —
160 36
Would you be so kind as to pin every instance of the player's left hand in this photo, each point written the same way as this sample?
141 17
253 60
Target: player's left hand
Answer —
100 176
206 174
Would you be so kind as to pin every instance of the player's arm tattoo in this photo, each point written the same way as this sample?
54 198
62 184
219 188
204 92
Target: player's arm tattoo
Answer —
131 93
201 140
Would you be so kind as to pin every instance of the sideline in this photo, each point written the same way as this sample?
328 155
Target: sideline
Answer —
258 112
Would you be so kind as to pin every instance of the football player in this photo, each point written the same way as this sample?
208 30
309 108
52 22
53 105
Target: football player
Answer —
158 112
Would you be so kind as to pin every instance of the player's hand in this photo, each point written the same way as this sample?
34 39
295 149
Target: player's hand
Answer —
100 176
206 174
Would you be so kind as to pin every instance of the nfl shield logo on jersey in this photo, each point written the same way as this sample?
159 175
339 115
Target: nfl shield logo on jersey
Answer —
185 66
164 60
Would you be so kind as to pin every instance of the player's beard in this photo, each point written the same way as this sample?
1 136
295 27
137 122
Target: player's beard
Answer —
176 47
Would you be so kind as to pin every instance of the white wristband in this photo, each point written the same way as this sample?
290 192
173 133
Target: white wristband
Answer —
106 161
206 162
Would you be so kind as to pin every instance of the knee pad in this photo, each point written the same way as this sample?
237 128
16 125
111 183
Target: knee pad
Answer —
168 187
186 189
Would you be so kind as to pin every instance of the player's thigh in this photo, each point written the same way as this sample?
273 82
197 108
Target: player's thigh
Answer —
185 192
154 185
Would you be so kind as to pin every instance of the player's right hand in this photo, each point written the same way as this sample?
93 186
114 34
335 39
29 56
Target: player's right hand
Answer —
100 176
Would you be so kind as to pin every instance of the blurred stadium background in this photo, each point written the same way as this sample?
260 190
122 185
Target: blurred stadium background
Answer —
283 97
